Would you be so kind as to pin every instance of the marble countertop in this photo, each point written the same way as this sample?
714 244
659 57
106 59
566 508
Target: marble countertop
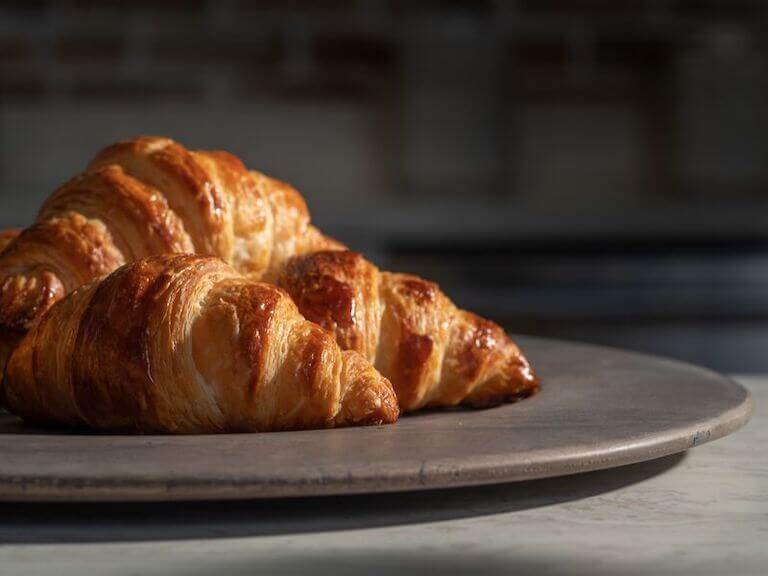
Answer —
703 512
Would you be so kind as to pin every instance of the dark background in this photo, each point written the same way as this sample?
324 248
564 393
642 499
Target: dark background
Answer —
588 169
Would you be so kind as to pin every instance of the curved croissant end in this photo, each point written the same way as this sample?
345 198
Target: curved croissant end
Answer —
143 197
433 353
185 344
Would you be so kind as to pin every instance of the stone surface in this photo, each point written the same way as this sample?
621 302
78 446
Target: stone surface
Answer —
598 408
704 512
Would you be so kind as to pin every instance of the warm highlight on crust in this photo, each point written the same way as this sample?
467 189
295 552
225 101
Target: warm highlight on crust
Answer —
185 344
144 197
434 353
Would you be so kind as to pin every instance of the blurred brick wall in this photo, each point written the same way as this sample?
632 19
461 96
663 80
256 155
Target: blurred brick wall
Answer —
564 101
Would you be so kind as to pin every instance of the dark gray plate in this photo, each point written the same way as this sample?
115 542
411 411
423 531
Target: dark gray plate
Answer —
598 408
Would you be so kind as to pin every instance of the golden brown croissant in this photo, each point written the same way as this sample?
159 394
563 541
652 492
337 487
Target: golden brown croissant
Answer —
433 353
185 344
150 196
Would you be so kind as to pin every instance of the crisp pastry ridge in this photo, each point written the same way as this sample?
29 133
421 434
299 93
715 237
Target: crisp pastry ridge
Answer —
433 353
185 344
142 197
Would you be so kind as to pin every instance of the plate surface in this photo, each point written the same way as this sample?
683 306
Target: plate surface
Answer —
598 408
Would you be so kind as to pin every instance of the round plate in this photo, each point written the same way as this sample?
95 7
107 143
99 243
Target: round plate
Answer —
598 408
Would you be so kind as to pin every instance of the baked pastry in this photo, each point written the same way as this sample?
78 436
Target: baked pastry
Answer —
6 236
149 196
433 353
186 344
152 196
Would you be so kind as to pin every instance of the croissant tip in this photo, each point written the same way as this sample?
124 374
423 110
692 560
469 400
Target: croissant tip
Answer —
520 383
377 408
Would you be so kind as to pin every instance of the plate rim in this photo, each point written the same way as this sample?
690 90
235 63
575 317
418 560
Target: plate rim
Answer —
435 474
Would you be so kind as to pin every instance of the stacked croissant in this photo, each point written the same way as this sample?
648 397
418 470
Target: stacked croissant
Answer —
174 291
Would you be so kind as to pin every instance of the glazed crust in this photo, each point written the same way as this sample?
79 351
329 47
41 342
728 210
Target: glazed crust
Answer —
143 197
434 353
186 344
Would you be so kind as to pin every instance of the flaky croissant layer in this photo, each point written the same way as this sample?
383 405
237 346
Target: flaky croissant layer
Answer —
185 344
143 197
434 353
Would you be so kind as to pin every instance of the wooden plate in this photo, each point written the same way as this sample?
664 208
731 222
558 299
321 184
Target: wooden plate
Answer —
598 408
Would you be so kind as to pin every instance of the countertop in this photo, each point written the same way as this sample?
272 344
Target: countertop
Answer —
703 512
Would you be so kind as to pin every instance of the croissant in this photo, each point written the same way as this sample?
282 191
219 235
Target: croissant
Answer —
150 196
185 344
433 353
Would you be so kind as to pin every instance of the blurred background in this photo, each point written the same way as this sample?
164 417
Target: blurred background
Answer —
589 169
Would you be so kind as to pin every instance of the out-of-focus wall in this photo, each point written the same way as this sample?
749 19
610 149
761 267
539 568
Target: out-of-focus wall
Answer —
542 101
